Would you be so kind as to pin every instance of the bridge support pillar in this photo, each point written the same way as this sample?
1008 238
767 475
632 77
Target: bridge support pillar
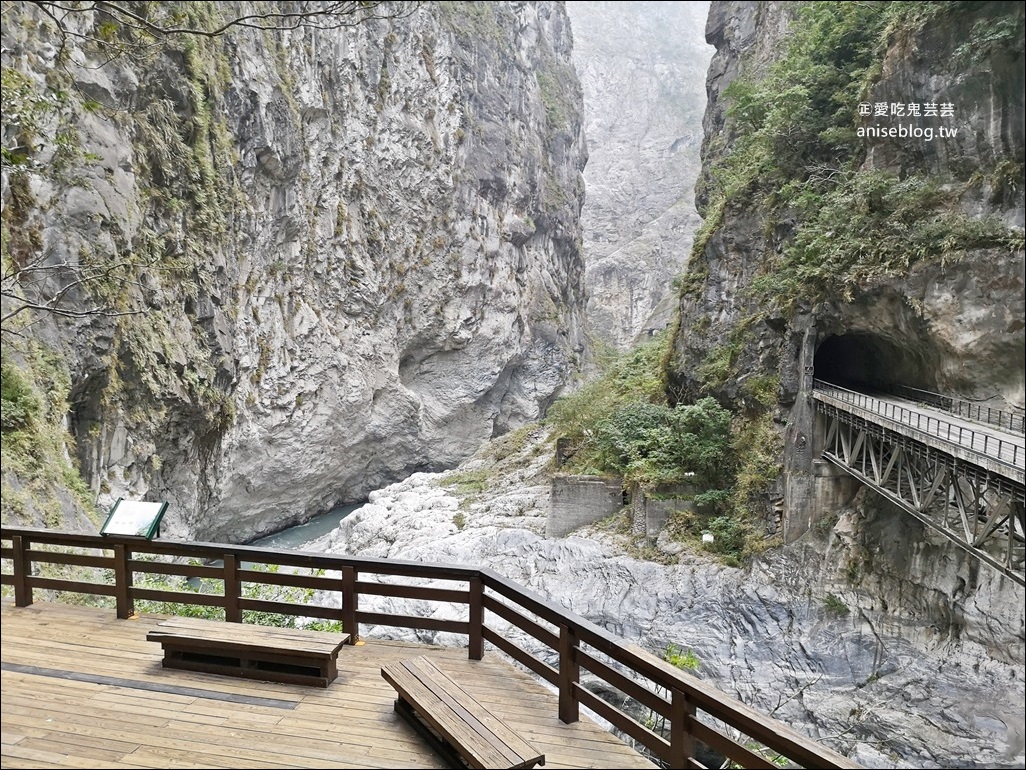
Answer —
832 488
816 495
801 446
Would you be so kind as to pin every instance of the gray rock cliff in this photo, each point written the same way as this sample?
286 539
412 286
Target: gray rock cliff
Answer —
354 252
951 322
642 67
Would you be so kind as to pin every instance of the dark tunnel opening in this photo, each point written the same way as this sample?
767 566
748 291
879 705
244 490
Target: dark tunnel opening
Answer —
869 362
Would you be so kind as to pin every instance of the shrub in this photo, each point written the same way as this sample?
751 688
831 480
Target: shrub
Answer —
651 443
729 536
682 659
18 401
835 605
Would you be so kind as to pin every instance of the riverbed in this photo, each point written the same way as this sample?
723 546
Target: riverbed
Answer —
311 536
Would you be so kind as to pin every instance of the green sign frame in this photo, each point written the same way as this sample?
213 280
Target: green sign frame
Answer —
134 518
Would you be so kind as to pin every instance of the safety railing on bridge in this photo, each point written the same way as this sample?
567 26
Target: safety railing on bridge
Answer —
1004 451
563 643
977 412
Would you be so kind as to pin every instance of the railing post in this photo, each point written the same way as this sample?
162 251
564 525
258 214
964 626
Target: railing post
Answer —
232 589
22 569
569 674
476 651
350 599
682 742
123 582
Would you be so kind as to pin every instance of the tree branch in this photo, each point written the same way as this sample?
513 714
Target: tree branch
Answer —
64 312
313 15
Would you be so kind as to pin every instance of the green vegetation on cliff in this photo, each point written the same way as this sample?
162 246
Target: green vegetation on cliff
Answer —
189 198
622 424
795 153
38 476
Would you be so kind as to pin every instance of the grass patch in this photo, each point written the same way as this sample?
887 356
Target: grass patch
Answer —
469 482
835 605
685 660
512 443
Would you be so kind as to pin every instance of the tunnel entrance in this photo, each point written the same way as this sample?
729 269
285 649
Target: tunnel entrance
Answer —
871 362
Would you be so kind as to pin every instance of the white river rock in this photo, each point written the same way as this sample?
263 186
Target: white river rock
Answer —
867 683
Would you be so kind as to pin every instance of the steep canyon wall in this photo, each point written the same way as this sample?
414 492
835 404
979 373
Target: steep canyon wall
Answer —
344 254
642 67
882 260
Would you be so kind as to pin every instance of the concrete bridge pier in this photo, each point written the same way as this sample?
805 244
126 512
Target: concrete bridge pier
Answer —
811 487
813 494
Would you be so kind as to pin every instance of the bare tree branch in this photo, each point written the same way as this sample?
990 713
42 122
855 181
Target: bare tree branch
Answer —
16 280
64 312
781 700
309 14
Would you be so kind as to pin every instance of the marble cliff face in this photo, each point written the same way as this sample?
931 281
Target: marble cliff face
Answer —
644 97
356 252
952 324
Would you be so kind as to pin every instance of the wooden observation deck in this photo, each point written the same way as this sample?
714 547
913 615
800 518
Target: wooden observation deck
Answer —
82 687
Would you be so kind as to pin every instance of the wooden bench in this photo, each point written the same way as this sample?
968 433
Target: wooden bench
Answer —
292 655
453 721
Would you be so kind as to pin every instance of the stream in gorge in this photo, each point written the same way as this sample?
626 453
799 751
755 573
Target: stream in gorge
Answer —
308 535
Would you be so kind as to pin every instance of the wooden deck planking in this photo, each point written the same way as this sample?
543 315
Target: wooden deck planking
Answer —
50 721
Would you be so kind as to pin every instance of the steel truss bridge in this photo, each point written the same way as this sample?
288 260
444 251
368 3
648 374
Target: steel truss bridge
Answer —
958 471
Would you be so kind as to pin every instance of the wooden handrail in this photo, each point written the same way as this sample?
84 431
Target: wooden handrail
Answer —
677 696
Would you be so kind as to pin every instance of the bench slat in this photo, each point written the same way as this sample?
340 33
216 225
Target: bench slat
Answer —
268 638
251 645
513 746
452 727
479 736
202 626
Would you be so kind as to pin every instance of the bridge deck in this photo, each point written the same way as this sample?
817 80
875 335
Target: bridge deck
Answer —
987 446
83 689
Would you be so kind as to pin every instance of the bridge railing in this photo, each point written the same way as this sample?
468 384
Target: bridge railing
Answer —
998 417
562 643
1002 450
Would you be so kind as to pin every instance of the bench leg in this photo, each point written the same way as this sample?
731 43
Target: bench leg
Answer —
407 712
236 663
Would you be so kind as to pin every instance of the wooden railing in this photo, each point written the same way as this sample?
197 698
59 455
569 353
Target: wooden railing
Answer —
674 698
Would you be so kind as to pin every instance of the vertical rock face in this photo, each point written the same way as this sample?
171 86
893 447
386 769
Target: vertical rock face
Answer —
642 68
360 250
955 316
949 322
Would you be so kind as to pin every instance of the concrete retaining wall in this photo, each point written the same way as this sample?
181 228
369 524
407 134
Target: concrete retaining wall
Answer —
580 500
